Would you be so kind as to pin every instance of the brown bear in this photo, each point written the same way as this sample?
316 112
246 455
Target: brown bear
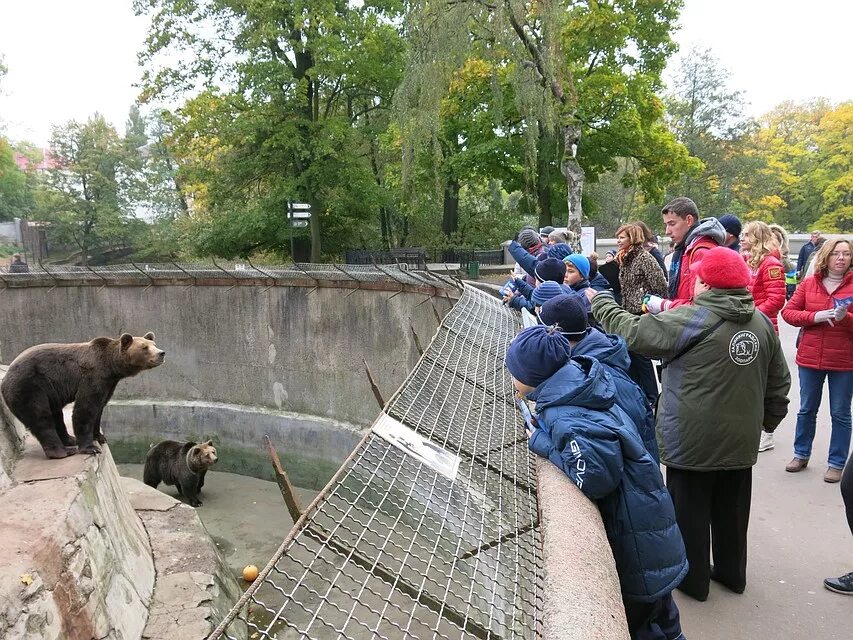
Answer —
46 377
182 464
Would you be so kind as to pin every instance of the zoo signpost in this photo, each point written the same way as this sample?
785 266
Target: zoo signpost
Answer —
298 215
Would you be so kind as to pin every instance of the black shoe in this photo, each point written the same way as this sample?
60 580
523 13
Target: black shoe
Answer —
844 584
731 586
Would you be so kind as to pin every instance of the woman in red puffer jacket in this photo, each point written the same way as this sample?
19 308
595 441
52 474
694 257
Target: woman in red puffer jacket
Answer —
760 249
824 350
767 285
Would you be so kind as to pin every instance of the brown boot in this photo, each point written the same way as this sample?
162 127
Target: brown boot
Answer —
797 464
832 475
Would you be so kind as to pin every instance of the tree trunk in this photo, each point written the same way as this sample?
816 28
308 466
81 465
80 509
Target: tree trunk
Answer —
450 219
575 176
545 155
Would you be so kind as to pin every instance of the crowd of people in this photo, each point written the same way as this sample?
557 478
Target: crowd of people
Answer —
708 311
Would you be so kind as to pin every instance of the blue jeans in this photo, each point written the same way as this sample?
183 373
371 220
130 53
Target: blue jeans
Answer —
840 393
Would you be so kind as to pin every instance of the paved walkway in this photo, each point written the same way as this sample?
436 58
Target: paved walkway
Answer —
798 535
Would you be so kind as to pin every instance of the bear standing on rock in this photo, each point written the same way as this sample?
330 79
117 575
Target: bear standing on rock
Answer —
46 377
182 464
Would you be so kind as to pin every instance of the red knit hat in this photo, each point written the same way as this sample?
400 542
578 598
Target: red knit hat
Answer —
722 268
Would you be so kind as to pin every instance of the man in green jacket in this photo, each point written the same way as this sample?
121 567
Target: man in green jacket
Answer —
724 378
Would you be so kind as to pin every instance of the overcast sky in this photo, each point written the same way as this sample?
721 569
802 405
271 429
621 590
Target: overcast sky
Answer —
69 59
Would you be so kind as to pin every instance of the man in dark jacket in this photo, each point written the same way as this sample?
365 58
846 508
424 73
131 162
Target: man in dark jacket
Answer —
805 251
731 223
725 378
17 265
584 433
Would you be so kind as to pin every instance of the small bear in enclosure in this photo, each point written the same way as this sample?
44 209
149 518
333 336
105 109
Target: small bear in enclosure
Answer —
46 377
182 464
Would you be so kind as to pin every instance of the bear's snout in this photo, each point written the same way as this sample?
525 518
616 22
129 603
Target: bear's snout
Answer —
161 357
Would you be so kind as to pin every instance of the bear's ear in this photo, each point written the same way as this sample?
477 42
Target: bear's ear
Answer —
149 336
209 443
125 339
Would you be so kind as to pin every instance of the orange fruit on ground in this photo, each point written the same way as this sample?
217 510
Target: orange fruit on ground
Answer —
250 573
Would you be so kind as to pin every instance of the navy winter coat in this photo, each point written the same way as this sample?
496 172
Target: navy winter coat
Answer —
528 262
600 283
594 442
611 351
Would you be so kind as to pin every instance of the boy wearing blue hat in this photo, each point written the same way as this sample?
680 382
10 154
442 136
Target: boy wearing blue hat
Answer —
584 433
550 271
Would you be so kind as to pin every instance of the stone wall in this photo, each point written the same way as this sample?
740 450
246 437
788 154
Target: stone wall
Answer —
286 348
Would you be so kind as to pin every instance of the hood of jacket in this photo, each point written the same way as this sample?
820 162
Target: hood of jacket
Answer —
735 305
608 349
581 382
709 228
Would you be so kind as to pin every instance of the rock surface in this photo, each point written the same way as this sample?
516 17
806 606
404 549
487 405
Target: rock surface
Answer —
75 557
194 589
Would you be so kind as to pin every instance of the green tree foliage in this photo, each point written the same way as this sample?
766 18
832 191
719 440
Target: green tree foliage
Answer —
302 82
87 203
706 115
584 74
800 171
16 195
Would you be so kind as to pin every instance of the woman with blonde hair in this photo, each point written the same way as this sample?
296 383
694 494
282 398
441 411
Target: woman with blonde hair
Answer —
766 284
639 275
784 250
820 307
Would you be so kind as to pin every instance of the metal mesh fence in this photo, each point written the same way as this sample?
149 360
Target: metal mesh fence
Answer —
395 549
148 273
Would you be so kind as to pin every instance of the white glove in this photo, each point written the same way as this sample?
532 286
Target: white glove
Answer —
840 312
825 315
654 304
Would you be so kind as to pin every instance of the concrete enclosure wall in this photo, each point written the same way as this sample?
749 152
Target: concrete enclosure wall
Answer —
282 348
285 354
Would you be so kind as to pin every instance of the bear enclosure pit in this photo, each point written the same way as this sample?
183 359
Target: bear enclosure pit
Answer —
431 527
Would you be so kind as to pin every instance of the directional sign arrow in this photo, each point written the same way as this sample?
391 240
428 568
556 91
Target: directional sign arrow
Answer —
298 223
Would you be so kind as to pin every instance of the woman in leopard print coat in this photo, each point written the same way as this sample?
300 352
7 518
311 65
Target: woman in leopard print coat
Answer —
639 272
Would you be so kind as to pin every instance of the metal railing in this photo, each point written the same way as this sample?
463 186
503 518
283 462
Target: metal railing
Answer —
393 548
418 258
231 273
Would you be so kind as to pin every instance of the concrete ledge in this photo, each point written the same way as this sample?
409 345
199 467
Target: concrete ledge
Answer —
582 598
193 588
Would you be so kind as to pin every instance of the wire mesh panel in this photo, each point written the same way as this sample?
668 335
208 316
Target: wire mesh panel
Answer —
395 549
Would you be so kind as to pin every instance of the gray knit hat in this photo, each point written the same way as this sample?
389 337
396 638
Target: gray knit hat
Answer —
528 237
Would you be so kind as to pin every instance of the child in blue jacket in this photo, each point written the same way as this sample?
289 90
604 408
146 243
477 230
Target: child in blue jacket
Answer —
595 443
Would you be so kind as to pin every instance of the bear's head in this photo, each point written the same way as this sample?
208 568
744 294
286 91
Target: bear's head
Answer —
203 455
141 353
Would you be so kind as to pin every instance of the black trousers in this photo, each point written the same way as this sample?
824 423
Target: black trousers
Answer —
847 490
712 509
642 371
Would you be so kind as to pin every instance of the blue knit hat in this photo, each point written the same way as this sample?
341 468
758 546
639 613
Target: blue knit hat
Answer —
568 312
581 263
559 251
536 354
550 269
546 291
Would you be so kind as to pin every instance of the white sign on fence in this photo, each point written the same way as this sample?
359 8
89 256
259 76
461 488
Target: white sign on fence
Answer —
413 444
587 240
